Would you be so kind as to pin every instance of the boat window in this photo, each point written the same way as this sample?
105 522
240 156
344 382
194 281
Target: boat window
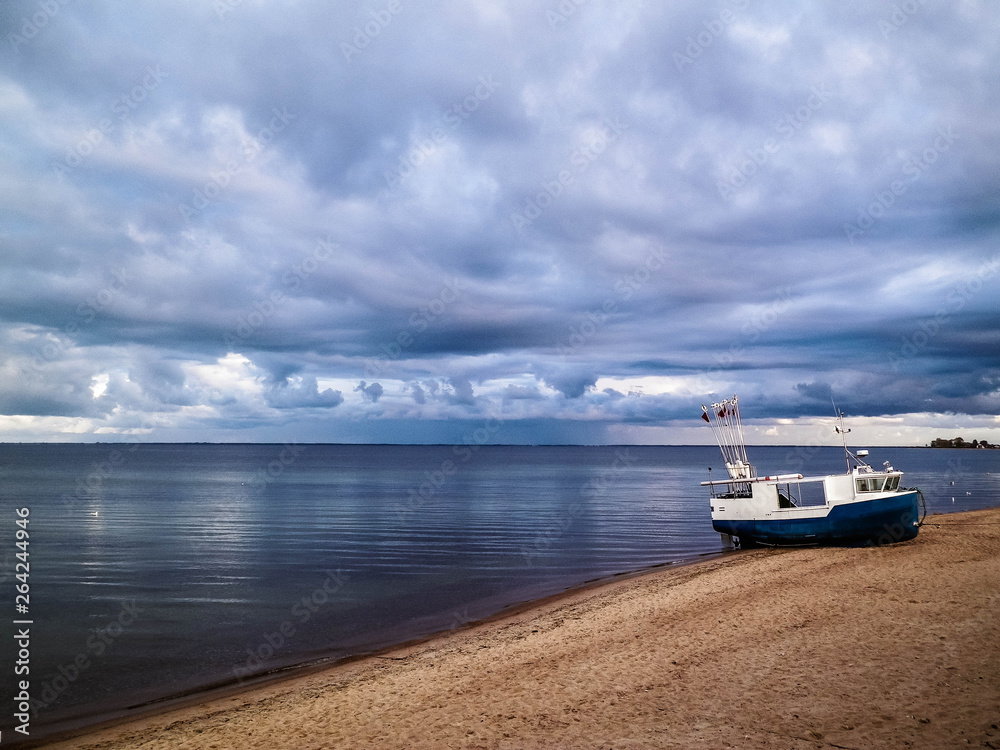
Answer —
869 485
785 498
875 484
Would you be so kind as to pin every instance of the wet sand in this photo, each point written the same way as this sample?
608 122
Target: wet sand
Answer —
895 646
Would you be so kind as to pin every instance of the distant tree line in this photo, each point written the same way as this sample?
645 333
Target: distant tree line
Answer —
960 443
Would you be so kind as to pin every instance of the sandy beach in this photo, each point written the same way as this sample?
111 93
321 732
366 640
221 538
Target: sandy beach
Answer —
895 646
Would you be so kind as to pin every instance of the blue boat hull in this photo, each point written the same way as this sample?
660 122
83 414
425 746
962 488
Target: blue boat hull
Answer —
884 521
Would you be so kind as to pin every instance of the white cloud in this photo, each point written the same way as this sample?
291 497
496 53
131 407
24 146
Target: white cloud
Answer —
100 384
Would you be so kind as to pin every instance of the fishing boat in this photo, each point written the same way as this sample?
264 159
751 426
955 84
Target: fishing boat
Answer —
863 505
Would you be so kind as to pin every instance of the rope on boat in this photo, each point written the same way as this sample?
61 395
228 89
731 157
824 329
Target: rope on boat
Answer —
923 507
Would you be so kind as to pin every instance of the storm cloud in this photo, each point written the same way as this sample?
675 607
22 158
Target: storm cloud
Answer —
395 222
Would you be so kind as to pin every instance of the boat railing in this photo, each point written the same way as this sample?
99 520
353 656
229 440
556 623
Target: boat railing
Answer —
758 480
737 488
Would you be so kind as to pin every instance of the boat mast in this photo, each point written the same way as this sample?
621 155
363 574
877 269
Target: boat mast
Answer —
843 432
727 426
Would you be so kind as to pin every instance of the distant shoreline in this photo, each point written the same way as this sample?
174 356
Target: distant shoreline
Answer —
962 447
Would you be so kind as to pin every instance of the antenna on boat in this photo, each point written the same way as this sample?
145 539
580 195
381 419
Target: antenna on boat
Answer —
861 455
839 428
727 426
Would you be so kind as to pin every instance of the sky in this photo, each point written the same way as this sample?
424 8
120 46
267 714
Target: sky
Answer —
555 221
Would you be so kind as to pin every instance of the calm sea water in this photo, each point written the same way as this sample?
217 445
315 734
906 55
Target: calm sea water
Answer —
160 569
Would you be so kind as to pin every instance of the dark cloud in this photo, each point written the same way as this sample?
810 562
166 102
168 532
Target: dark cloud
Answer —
571 384
371 392
521 392
304 393
816 391
418 393
217 222
461 391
